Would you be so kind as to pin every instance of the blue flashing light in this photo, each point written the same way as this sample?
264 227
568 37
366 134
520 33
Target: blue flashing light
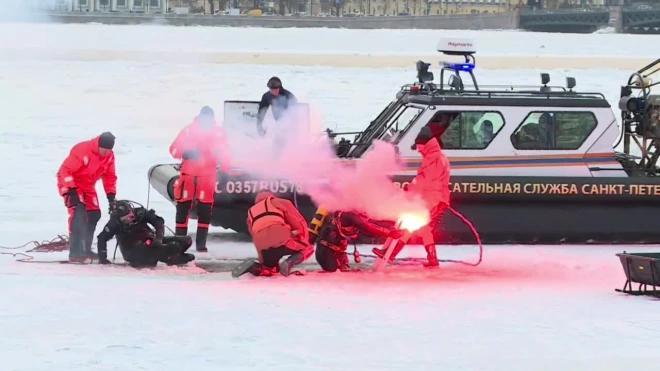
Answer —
465 67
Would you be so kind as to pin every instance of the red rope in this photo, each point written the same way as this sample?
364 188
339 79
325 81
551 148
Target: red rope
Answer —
57 244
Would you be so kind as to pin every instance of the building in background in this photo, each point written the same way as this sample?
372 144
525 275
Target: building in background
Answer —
348 8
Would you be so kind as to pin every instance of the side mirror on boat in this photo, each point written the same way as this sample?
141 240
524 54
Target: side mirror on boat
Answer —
570 83
545 78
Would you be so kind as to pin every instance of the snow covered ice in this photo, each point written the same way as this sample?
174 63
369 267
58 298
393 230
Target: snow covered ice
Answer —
524 308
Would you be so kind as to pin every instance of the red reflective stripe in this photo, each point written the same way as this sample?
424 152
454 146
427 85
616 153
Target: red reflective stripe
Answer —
203 225
182 225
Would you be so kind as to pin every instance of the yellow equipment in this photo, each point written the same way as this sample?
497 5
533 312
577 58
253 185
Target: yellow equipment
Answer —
316 223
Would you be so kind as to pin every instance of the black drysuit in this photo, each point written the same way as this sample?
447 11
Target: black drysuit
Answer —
278 103
140 245
338 229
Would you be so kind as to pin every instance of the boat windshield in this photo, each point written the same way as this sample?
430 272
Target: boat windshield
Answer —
405 121
399 118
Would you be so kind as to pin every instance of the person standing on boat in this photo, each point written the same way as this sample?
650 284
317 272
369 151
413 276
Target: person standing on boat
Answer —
432 184
201 146
278 230
279 100
86 163
340 227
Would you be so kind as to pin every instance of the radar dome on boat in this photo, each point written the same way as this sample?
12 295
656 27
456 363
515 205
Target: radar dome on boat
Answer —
453 46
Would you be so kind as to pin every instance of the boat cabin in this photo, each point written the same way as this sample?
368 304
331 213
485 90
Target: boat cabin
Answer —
496 130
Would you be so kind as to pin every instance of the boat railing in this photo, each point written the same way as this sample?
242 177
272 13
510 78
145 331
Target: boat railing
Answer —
534 92
524 88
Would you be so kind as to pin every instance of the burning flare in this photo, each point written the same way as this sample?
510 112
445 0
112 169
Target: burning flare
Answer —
412 221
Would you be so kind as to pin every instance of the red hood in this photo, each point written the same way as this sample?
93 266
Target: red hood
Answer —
196 122
430 147
95 144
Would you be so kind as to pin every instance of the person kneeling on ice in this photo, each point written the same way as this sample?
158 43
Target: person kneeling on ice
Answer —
278 230
432 184
338 228
140 246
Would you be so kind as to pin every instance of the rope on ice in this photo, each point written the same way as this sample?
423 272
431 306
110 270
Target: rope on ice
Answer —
57 244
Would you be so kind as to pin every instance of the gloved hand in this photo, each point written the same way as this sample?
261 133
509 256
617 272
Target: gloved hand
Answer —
104 260
192 154
71 198
395 233
112 203
261 130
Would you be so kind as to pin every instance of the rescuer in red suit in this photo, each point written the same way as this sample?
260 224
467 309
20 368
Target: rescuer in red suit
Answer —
201 146
432 184
87 162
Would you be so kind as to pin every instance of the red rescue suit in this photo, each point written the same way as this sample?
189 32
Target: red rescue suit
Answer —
201 146
87 163
432 184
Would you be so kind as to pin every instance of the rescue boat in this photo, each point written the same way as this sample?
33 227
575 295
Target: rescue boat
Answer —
530 164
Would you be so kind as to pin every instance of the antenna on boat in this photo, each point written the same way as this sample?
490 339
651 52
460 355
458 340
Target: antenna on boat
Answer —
467 49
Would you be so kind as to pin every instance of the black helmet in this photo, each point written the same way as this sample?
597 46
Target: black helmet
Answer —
274 83
125 212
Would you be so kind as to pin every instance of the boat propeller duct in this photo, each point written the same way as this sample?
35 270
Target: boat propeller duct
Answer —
640 119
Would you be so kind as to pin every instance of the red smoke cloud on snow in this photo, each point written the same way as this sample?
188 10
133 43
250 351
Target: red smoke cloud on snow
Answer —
309 159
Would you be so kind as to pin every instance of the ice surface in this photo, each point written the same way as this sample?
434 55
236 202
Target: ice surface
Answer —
524 308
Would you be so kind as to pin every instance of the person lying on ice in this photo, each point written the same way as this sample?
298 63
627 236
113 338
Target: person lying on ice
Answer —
140 246
338 228
278 230
86 163
432 184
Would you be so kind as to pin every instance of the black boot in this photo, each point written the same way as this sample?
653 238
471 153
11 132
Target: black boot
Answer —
381 252
78 230
250 266
432 256
181 259
200 239
181 218
93 218
290 262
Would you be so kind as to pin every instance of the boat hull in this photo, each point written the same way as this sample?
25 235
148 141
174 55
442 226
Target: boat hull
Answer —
504 210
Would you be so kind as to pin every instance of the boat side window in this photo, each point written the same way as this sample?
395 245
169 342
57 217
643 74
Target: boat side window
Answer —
466 130
551 130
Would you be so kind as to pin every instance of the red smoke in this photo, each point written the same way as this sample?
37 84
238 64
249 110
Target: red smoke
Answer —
309 159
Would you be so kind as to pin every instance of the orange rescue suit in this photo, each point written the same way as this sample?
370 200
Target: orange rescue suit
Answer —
272 223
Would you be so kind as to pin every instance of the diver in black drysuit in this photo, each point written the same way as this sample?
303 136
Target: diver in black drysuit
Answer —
340 227
278 98
140 246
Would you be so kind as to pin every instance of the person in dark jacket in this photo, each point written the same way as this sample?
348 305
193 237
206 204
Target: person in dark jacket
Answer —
340 227
140 245
277 98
